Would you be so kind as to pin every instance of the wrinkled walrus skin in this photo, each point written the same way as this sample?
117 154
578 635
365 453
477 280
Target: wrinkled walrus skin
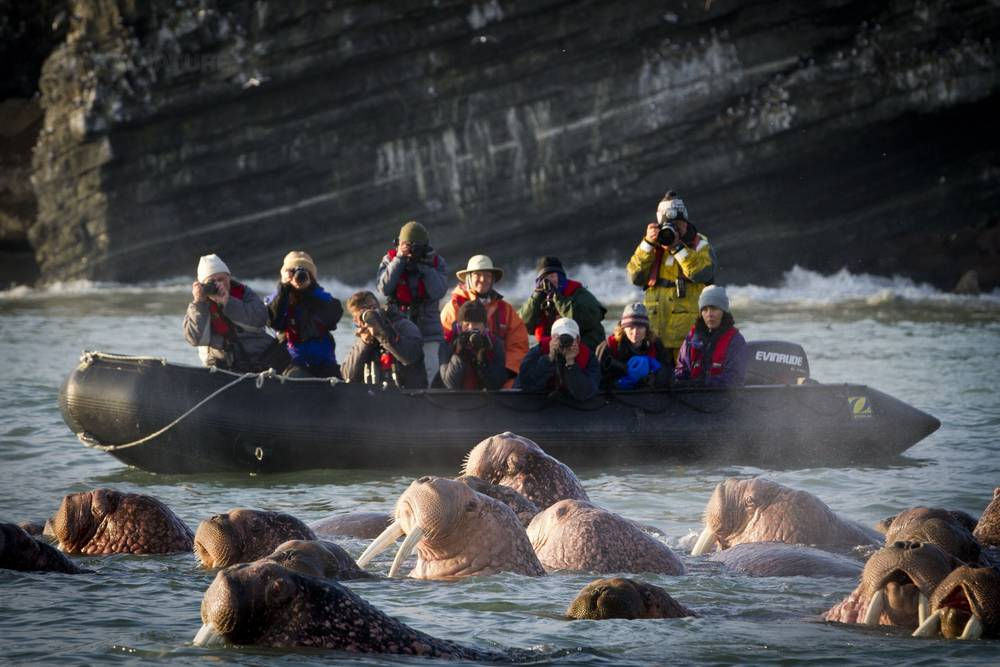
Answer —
242 535
968 593
777 559
317 558
21 551
620 597
265 604
105 521
511 460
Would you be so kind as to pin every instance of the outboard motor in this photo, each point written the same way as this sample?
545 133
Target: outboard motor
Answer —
776 362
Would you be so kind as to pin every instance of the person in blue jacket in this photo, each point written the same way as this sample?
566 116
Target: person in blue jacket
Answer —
303 314
561 363
714 354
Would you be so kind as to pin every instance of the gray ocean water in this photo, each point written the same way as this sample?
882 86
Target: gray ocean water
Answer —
939 353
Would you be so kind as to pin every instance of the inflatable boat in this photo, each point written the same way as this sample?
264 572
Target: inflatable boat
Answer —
172 418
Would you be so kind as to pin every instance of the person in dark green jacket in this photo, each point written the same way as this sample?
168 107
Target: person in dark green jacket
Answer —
556 296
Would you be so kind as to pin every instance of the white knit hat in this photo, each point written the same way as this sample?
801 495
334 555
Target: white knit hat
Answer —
210 265
565 325
714 295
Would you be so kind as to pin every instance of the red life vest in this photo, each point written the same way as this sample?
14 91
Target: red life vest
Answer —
403 295
469 380
219 322
613 346
543 326
718 355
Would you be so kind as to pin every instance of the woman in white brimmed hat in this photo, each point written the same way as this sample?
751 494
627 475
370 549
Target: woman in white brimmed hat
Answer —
477 282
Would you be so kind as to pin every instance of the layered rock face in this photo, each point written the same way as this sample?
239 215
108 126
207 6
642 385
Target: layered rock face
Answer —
841 133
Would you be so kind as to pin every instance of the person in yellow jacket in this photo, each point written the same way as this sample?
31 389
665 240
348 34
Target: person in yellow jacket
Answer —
673 264
477 282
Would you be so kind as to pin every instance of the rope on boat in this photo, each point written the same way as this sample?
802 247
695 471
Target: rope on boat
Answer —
88 357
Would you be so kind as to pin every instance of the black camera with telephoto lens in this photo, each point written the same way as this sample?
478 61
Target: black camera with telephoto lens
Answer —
477 341
668 234
210 288
300 276
566 341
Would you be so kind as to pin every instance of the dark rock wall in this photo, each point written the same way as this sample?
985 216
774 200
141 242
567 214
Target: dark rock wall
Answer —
828 134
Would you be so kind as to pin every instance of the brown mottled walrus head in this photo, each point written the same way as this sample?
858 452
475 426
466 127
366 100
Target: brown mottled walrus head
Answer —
759 510
625 598
929 525
965 605
243 535
457 532
577 535
523 508
105 521
265 604
519 463
895 586
21 551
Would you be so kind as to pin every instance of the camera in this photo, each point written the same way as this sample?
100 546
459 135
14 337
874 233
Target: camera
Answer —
419 251
477 341
668 234
369 316
210 288
300 276
566 341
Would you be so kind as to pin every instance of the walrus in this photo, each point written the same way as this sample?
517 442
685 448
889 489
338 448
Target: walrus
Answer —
759 510
965 605
242 535
317 558
777 559
929 525
577 535
362 525
896 585
105 521
517 462
21 551
265 604
625 598
457 532
987 529
523 508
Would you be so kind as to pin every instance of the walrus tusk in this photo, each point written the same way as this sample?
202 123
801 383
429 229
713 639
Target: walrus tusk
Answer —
923 609
705 542
973 629
208 636
930 627
392 533
875 608
405 549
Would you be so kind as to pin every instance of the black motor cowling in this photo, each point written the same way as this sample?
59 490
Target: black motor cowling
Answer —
776 362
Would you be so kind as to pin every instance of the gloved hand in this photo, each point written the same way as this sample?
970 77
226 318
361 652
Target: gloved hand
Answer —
638 367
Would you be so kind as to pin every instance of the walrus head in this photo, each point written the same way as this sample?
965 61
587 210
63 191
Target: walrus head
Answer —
243 535
624 598
934 526
517 462
965 605
79 515
898 581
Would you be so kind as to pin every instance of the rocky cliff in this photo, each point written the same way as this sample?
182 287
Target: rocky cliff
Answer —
828 134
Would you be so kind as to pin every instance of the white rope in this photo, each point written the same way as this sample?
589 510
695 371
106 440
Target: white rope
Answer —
88 357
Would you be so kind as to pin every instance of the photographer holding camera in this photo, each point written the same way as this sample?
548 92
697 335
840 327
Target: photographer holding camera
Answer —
556 296
561 363
470 356
225 320
413 277
303 314
673 264
388 349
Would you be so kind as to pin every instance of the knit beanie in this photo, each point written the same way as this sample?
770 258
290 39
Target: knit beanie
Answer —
547 265
298 259
671 207
635 315
472 311
210 265
414 232
714 295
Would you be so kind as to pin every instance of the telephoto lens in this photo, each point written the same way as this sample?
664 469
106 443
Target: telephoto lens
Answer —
668 234
566 341
477 340
210 288
301 275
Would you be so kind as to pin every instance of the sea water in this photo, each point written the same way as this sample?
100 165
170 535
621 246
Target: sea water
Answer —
938 352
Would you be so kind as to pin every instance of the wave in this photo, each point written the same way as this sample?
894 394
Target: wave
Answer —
798 287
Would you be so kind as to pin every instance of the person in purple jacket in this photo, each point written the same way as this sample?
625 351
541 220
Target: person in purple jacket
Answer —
714 354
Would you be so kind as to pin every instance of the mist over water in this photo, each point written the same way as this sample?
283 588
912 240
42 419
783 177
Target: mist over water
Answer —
937 351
